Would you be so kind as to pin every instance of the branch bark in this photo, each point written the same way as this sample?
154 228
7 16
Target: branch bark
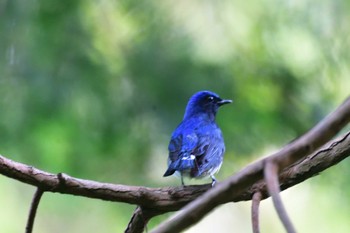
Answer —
330 155
165 199
171 198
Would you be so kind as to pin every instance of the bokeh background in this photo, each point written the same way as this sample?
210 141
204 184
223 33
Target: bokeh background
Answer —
94 89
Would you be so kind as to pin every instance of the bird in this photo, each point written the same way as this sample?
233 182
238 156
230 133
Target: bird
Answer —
196 148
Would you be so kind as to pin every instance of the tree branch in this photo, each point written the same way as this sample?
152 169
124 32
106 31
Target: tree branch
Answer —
139 219
271 179
33 208
239 187
165 199
255 211
251 174
171 198
310 166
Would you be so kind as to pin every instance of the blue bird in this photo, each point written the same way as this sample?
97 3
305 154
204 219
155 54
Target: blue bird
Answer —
196 148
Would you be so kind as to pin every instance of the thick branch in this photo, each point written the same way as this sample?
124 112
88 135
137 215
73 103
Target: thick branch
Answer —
290 154
170 198
310 166
165 199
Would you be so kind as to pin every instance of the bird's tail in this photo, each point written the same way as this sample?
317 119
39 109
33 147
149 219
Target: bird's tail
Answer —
170 171
181 164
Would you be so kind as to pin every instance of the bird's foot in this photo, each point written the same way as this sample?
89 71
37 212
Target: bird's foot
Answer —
213 181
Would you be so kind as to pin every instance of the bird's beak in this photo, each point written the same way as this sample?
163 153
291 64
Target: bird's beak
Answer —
222 102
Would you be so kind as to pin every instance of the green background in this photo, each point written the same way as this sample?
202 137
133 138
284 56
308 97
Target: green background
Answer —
94 89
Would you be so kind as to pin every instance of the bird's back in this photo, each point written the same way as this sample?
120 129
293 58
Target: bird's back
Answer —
196 147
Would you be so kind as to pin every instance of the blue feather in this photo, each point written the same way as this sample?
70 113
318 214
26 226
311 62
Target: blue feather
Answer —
196 148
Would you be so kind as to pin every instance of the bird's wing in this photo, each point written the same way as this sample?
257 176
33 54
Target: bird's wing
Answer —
208 153
180 152
182 144
204 142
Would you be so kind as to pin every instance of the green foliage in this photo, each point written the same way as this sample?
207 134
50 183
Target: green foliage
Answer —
94 88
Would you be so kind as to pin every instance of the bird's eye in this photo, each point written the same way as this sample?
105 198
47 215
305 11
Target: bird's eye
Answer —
210 98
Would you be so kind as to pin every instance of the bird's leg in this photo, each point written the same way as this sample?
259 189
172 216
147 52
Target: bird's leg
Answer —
182 180
213 180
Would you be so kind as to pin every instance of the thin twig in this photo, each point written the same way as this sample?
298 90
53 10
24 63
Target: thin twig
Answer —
33 208
271 178
255 211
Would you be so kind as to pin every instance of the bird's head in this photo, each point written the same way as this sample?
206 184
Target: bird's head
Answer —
204 102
